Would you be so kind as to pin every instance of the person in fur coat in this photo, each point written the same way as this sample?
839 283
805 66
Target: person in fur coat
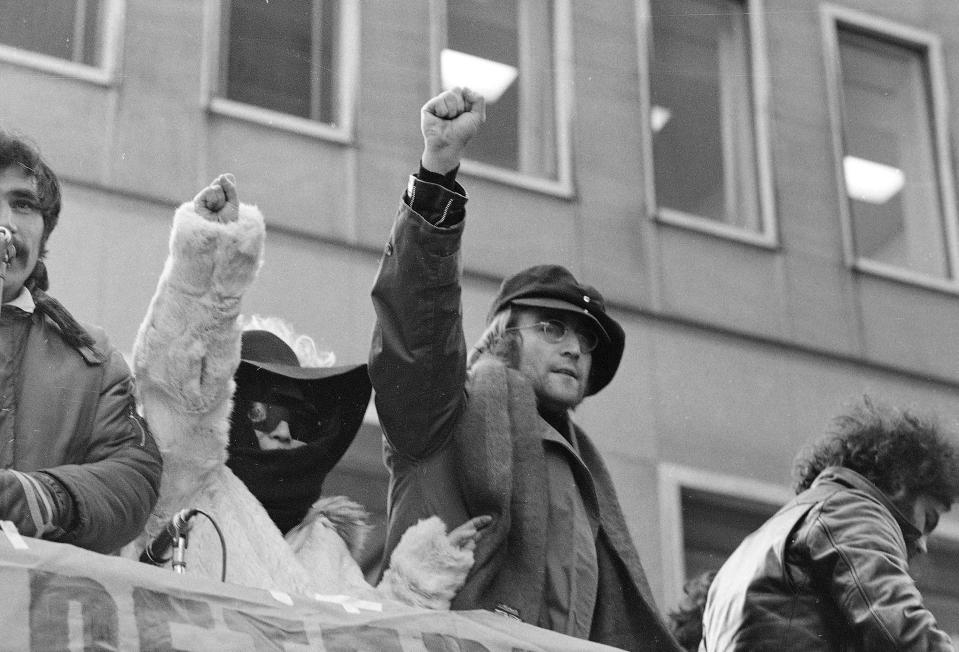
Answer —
186 353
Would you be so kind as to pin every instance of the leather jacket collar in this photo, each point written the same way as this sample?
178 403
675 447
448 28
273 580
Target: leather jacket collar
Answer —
850 478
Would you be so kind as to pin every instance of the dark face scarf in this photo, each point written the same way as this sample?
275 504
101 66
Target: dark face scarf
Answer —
286 481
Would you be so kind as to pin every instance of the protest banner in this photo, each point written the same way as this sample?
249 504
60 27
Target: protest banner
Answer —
59 597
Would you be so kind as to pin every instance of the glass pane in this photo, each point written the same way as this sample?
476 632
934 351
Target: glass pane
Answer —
60 28
282 56
701 111
937 576
715 525
511 44
92 51
889 163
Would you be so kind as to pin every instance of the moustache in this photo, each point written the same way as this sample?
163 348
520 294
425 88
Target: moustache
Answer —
10 249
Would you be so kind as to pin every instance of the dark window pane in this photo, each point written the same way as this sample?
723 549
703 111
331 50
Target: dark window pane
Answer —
701 104
520 131
487 29
268 63
283 56
60 28
937 576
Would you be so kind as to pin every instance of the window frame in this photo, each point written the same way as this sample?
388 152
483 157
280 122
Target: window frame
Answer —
768 236
832 19
562 186
114 20
673 479
349 40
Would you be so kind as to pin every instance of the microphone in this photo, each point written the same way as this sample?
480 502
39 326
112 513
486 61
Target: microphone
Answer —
175 529
5 238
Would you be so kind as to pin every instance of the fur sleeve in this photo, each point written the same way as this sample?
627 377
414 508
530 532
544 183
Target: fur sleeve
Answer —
188 345
426 570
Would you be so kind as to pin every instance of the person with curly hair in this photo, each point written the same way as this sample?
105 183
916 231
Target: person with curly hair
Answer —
830 570
686 620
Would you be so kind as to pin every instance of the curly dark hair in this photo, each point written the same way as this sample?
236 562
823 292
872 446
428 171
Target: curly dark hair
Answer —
902 452
686 620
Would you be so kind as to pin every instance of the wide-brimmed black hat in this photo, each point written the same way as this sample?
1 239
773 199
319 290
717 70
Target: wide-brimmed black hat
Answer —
269 371
554 287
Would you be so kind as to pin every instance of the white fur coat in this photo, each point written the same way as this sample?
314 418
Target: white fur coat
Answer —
186 352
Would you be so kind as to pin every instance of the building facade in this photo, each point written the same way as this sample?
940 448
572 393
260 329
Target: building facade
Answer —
763 189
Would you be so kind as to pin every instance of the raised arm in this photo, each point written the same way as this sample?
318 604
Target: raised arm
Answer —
418 352
188 346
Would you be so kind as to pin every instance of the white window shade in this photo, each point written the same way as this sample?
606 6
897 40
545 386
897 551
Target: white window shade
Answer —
487 77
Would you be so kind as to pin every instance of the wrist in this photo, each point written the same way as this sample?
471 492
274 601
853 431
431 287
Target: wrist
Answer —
439 161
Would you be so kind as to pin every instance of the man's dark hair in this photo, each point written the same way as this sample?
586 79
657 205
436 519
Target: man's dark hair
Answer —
898 450
16 151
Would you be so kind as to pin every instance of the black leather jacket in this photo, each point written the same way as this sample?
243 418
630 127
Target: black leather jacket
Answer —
829 571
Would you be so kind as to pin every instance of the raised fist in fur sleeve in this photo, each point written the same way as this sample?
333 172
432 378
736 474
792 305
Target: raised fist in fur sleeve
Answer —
218 202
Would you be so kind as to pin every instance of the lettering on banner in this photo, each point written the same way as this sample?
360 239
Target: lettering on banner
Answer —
78 612
50 625
155 612
272 634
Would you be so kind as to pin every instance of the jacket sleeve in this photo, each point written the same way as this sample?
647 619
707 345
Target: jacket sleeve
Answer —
116 486
188 347
858 548
418 352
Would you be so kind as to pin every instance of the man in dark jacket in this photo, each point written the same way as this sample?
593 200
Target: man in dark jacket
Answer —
77 463
491 433
830 570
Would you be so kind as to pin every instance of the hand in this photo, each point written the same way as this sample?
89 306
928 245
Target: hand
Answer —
448 122
218 202
467 534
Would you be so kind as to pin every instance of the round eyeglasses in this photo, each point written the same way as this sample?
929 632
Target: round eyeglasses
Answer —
555 331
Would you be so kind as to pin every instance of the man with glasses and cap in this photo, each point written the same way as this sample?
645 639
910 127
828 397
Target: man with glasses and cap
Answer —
490 432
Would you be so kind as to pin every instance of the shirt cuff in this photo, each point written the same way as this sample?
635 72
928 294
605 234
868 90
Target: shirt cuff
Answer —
440 203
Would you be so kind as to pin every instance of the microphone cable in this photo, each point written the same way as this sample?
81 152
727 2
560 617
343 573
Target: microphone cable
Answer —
219 533
172 531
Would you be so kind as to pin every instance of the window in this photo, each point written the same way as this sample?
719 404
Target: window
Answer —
714 526
890 147
937 577
286 63
705 517
72 37
514 53
706 116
